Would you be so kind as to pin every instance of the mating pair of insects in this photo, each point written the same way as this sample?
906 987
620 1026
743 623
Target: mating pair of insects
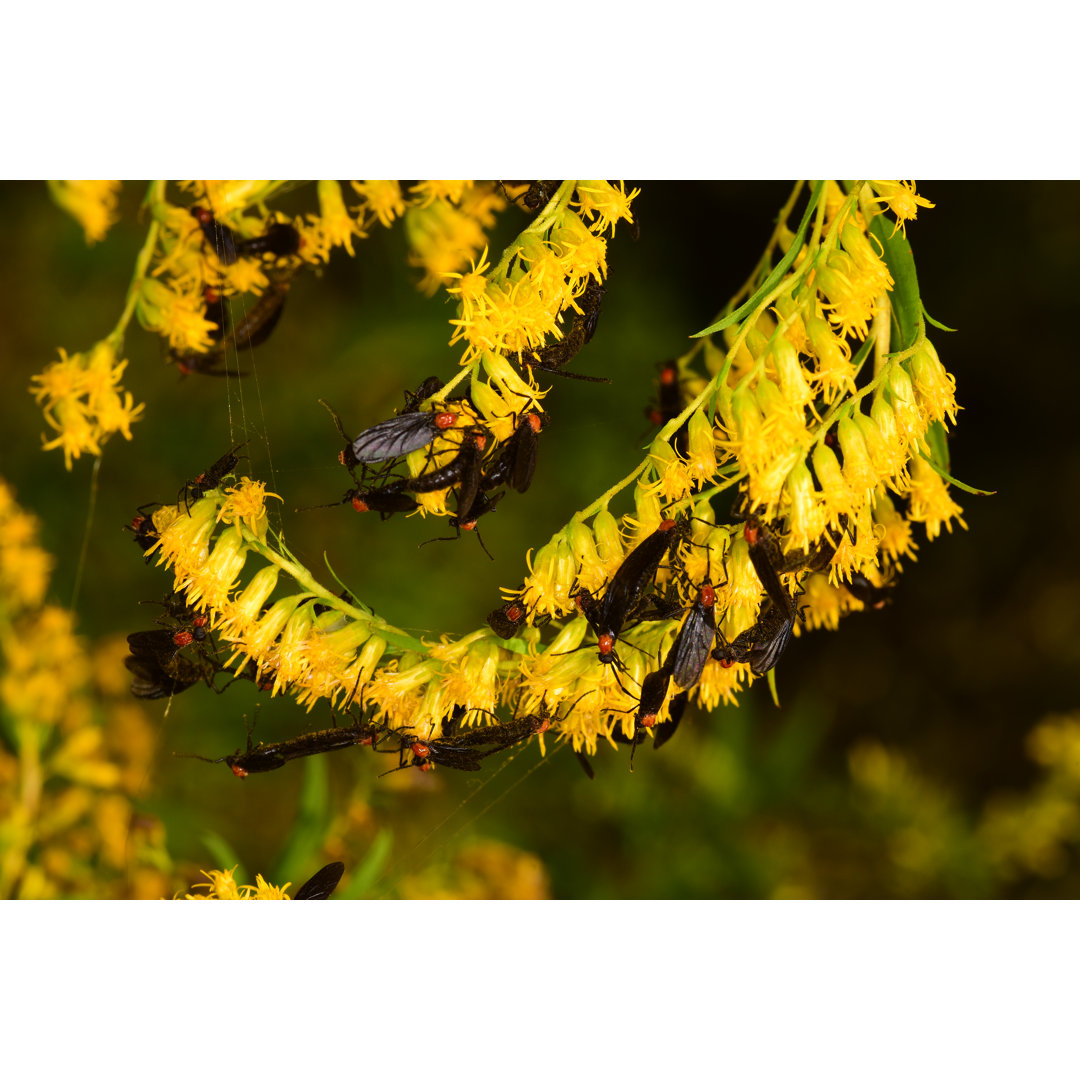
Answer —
456 748
474 479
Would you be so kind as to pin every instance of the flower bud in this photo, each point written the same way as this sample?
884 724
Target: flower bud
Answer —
859 471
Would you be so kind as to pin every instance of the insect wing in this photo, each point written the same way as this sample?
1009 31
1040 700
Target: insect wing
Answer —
395 437
691 648
321 884
763 658
524 459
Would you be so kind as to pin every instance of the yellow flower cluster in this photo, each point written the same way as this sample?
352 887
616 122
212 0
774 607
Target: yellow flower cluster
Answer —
71 754
92 203
221 885
83 401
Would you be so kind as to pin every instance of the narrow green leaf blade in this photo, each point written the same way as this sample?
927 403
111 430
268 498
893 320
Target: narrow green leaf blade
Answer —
778 271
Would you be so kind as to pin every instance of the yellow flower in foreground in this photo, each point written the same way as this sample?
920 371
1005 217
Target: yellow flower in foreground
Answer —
247 503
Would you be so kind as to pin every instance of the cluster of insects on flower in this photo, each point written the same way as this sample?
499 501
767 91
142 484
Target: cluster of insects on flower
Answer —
801 437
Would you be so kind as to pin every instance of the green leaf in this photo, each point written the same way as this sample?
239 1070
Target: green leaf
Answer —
309 827
778 271
952 480
906 306
938 441
771 679
933 322
367 873
223 855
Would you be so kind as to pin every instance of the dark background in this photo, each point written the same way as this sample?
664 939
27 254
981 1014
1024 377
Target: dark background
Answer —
982 639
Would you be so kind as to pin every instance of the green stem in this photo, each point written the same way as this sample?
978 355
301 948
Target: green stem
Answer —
544 220
303 577
154 196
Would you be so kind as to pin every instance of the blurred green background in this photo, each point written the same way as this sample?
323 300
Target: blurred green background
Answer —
981 642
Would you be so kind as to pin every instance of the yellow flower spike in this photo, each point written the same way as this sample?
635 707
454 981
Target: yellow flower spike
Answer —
609 542
929 500
836 498
608 204
221 885
360 671
231 196
790 373
806 516
176 316
289 659
820 603
382 197
647 512
858 469
875 274
247 503
858 547
910 423
338 225
935 388
883 417
425 192
482 201
398 695
785 423
236 615
474 681
583 254
792 312
498 414
443 240
256 639
509 383
896 541
63 378
675 481
92 203
184 545
881 458
719 684
750 444
901 198
743 589
211 584
78 434
701 447
834 375
590 570
852 298
567 639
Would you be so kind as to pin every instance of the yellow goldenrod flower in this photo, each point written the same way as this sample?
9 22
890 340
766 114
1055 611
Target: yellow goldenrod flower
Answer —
820 604
929 500
599 199
92 203
177 316
835 375
901 198
935 388
896 541
443 239
247 503
425 192
382 197
337 224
